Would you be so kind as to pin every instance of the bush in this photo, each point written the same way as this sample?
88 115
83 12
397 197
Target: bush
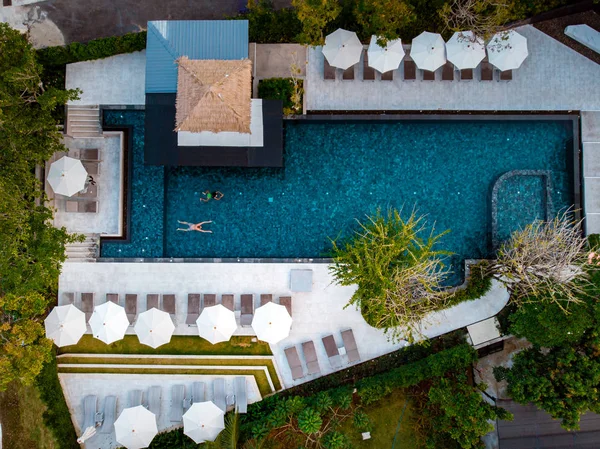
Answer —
173 439
478 284
269 26
280 89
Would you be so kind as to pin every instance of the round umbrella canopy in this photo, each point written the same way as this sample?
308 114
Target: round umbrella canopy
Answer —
154 328
136 427
216 323
428 51
65 325
203 422
465 50
507 50
272 322
109 322
67 176
342 48
384 59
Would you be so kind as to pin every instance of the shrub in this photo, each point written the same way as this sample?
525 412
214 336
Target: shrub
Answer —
478 284
282 89
309 421
361 421
267 25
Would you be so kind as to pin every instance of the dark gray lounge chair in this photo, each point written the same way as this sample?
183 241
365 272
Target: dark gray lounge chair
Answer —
428 76
448 72
310 355
350 345
387 76
90 405
466 75
291 354
154 399
168 304
348 74
210 300
135 398
506 75
82 206
487 71
328 71
247 306
177 397
287 302
87 305
198 392
219 393
193 311
227 301
110 412
264 299
410 69
151 301
241 396
368 71
332 351
89 154
131 303
114 297
92 167
68 298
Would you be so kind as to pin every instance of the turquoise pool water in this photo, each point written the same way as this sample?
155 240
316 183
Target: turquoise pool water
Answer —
337 172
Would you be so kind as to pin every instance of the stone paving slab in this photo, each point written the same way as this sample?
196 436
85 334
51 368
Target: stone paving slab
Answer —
591 159
590 126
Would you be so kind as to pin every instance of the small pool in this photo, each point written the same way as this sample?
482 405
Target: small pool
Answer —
339 171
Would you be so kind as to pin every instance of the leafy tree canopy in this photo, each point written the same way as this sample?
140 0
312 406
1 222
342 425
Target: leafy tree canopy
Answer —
383 18
315 15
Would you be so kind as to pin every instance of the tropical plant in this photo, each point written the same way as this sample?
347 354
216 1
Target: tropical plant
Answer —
315 15
383 18
361 421
398 272
483 17
336 440
309 421
229 436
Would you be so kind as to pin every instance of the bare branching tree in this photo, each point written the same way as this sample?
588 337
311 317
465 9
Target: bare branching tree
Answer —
483 17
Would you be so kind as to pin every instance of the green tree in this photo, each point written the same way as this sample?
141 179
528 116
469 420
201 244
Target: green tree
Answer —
309 421
383 18
483 17
564 381
315 15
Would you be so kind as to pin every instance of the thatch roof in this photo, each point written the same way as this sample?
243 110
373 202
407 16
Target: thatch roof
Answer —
214 95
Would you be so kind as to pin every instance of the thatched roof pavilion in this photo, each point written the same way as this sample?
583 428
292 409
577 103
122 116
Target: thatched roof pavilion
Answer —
213 95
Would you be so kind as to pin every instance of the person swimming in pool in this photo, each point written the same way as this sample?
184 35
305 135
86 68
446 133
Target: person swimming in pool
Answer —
211 196
194 227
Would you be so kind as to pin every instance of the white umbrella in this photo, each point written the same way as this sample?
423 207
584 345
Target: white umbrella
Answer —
67 176
271 322
109 322
216 323
384 59
342 48
428 51
507 50
65 325
465 50
203 422
154 328
136 427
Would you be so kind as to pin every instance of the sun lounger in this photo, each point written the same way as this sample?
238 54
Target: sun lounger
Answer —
151 301
506 75
241 397
287 302
82 206
291 354
466 74
387 76
368 72
448 72
110 411
90 154
410 69
131 301
332 351
154 399
135 398
193 310
227 301
87 305
90 404
93 168
264 299
68 298
348 74
90 191
219 393
428 76
114 297
177 397
328 71
168 304
310 355
198 392
487 71
350 345
209 300
247 306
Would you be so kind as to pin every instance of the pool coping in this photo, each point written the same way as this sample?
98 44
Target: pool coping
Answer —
324 116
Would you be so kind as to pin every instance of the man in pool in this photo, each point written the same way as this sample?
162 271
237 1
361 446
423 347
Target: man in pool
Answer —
211 196
194 227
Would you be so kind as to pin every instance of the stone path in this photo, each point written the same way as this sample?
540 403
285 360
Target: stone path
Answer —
590 138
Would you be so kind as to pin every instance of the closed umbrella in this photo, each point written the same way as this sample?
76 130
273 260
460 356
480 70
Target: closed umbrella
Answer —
136 427
465 50
507 50
384 59
272 322
342 48
109 322
67 176
65 325
428 51
216 323
154 328
203 422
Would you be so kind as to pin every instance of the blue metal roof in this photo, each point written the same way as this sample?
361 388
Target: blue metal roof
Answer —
197 39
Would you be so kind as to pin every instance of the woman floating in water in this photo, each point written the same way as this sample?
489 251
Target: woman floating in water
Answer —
211 196
193 227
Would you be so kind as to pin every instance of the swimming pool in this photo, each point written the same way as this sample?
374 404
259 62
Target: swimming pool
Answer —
339 171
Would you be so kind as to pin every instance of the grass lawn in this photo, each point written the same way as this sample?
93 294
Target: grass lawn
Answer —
179 345
384 419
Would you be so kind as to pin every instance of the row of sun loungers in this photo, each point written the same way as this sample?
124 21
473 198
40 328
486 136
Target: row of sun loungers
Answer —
93 418
331 349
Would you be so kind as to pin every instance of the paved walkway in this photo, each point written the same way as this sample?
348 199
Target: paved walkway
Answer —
590 137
